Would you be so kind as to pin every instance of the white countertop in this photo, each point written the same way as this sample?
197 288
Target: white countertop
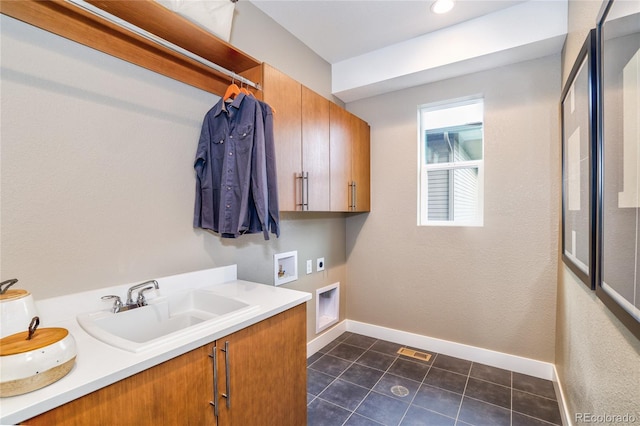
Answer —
99 365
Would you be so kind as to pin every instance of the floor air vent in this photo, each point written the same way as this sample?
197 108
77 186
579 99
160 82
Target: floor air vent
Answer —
414 354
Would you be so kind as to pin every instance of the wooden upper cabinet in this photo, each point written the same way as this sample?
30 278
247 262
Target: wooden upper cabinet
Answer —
350 161
340 164
301 133
315 150
284 95
322 150
361 166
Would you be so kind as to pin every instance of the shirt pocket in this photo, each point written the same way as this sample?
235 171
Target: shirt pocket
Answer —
243 136
217 145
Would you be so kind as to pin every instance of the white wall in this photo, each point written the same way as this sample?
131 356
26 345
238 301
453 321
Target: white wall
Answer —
494 286
97 180
597 358
258 35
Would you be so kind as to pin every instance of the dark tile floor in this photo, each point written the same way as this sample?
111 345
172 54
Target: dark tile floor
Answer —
359 380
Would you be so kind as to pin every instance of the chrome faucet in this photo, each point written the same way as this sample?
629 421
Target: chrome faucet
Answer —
118 306
141 300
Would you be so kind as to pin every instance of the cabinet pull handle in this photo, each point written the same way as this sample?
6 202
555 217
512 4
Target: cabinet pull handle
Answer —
227 373
304 191
305 200
215 381
352 195
301 203
354 188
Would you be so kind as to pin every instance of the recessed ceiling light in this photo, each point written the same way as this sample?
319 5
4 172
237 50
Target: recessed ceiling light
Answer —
442 6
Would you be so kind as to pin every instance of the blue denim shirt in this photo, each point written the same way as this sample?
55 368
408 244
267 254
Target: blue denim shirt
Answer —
232 191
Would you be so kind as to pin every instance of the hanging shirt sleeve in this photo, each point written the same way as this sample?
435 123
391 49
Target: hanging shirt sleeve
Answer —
272 175
259 189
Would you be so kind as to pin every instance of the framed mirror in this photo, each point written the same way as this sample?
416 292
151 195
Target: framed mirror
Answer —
618 281
578 114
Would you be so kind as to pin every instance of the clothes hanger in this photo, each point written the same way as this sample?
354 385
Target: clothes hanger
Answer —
244 90
249 93
232 91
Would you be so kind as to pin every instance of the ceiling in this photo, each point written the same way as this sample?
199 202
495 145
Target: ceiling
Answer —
340 29
375 46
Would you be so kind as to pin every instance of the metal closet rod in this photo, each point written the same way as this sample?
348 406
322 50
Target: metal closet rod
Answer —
149 36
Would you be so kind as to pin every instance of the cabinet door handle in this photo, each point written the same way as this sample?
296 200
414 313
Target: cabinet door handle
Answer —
352 195
354 189
227 373
215 381
301 203
305 200
304 191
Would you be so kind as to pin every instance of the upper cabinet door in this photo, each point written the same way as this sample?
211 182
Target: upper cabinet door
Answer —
284 95
350 169
315 150
361 167
340 131
322 150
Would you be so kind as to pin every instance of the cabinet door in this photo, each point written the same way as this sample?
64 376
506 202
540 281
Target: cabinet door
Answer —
283 94
315 149
350 161
361 166
340 131
266 368
175 392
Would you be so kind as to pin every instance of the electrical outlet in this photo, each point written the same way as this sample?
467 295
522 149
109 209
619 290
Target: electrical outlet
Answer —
309 266
320 264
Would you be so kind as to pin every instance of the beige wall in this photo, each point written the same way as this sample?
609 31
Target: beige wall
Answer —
597 358
259 36
97 171
494 286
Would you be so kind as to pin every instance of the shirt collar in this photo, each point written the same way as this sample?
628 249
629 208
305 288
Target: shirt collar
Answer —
222 105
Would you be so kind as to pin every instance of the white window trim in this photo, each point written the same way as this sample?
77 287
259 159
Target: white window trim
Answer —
424 168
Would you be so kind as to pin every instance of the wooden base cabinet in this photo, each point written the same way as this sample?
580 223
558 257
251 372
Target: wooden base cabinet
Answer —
260 377
266 367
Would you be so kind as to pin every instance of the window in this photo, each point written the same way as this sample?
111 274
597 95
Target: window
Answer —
451 183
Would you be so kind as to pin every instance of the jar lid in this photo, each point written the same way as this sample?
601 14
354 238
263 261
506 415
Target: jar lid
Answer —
13 295
19 343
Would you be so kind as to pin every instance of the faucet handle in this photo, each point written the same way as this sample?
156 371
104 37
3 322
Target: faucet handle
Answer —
117 302
141 299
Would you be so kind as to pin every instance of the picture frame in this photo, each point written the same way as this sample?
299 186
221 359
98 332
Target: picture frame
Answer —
578 107
618 186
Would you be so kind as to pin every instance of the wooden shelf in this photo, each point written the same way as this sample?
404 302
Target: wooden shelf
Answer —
74 23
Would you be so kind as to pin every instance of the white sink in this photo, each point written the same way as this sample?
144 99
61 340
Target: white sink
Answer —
164 318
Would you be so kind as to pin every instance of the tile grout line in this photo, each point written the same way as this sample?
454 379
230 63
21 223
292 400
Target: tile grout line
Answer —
463 393
396 357
422 383
365 397
511 401
419 387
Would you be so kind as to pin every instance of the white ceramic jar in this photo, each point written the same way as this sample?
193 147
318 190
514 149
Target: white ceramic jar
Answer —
17 309
27 365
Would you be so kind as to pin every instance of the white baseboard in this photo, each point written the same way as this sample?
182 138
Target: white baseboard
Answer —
325 338
543 370
564 410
